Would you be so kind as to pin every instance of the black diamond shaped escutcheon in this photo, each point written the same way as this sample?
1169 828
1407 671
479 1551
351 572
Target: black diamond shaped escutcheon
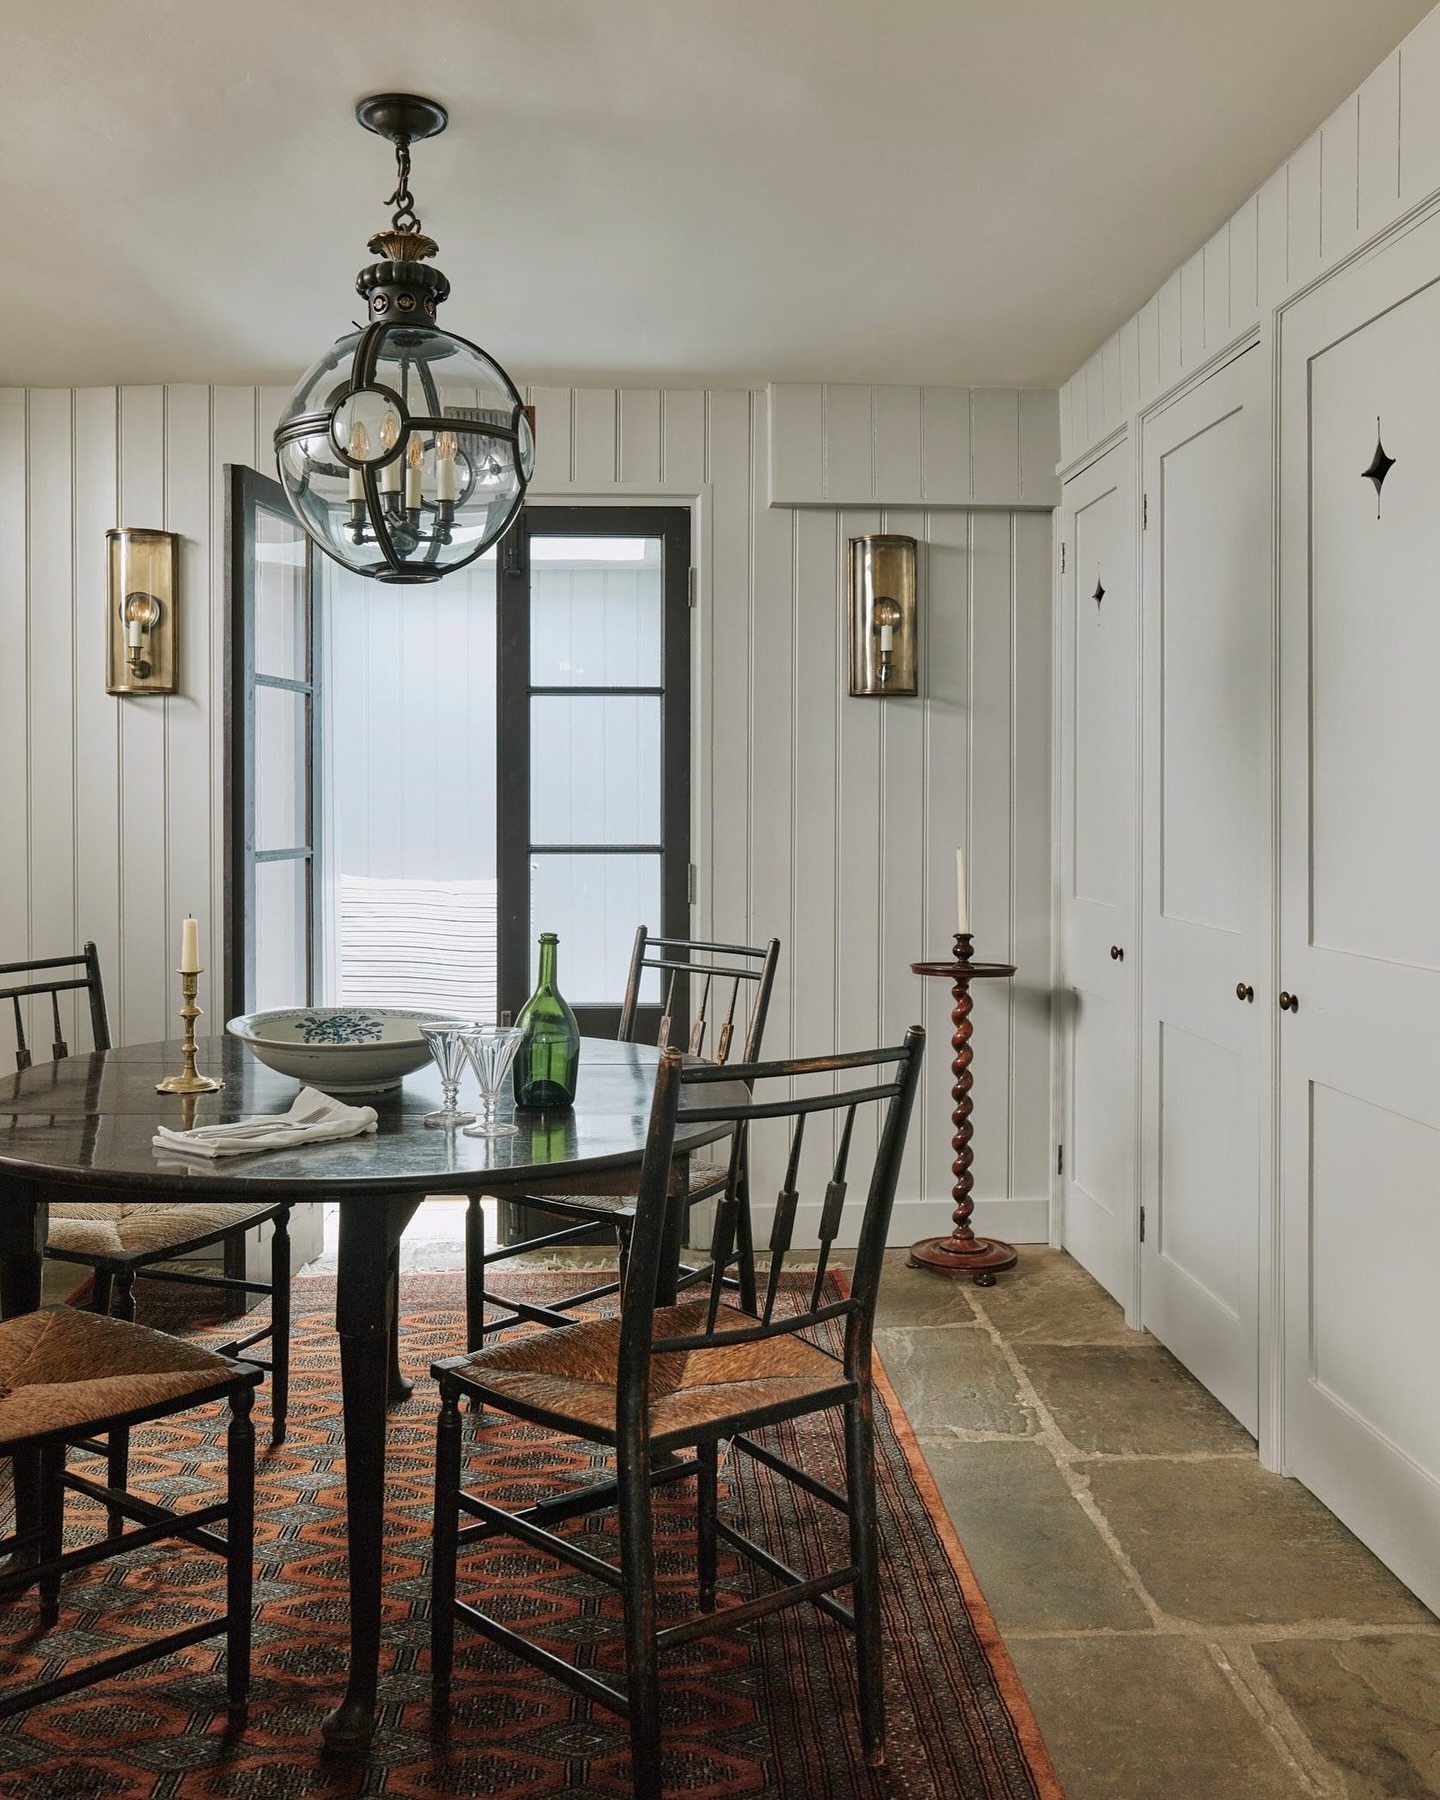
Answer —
1099 593
1380 467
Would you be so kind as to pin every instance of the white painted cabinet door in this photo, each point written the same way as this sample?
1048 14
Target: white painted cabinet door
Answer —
1206 1016
1360 923
1098 812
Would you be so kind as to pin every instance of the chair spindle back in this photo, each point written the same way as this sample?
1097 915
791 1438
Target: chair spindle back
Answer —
54 986
716 974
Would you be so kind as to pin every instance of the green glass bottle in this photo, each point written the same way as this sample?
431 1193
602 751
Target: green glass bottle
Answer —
548 1060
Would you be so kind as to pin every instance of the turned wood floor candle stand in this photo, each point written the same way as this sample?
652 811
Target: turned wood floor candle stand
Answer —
962 1253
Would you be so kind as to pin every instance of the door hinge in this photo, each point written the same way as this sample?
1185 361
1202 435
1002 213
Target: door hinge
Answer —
692 884
1142 1224
1144 512
1062 557
694 587
1059 1159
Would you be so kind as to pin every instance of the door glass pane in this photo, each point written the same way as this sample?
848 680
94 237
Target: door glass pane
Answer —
595 769
595 609
280 933
594 903
281 626
282 732
409 878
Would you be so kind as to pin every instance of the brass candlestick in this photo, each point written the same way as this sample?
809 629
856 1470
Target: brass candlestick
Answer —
187 1081
962 1253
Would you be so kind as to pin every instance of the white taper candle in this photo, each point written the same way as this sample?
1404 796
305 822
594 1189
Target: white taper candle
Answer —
962 899
189 947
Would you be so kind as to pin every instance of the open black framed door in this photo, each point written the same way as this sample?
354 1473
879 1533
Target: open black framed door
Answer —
272 812
594 748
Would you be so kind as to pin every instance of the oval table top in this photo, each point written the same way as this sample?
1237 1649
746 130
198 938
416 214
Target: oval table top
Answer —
89 1120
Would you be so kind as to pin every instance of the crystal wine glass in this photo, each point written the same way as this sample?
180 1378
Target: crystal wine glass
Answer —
491 1049
447 1046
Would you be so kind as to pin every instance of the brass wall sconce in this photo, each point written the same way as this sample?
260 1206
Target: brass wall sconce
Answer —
884 658
144 625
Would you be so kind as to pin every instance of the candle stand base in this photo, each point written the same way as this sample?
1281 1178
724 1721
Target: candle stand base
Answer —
962 1253
980 1258
188 1084
187 1081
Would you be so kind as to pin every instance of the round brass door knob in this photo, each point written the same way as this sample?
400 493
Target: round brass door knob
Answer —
1116 953
1289 1003
1244 991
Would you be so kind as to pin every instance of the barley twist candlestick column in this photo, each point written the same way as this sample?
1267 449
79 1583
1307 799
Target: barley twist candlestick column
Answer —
962 1253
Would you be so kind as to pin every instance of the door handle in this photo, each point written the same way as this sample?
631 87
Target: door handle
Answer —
1116 953
1289 1002
1244 991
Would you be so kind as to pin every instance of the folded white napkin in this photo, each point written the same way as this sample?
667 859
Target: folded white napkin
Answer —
313 1119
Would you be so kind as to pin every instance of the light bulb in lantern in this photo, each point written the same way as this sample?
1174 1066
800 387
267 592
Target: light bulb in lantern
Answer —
360 450
414 462
389 438
446 481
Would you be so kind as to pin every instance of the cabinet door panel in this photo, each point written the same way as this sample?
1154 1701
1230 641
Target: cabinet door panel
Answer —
1097 827
1359 942
1206 611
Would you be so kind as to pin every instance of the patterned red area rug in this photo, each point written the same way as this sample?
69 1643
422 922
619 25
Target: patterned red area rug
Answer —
768 1714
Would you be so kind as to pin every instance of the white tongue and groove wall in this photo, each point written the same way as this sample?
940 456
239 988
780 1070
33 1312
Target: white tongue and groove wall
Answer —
828 822
1248 1059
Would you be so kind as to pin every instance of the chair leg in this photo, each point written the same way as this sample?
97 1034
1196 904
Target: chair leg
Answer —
123 1306
745 1243
52 1527
637 1567
445 1547
707 1504
474 1273
117 1473
864 1553
102 1289
240 1553
280 1326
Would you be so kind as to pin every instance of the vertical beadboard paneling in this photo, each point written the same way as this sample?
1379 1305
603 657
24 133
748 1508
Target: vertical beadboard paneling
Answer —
1273 238
945 445
947 762
1303 204
1168 302
849 444
640 436
898 433
905 780
991 727
1244 250
190 857
50 764
682 427
730 773
552 436
772 725
1217 289
995 441
857 961
1192 311
596 436
97 714
147 957
1129 340
1030 658
1378 147
1110 373
797 437
819 673
1420 111
1147 330
1095 394
1340 181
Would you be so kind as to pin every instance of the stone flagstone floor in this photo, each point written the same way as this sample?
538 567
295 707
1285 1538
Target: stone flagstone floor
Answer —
1188 1626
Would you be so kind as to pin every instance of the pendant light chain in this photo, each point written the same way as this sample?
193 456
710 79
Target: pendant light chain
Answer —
406 218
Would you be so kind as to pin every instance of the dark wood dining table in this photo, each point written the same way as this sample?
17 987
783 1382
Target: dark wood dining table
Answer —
82 1128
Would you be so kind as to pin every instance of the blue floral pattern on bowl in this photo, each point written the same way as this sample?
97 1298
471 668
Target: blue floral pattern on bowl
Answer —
353 1027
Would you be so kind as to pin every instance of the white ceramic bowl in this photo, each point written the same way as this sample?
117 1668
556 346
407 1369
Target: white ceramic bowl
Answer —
339 1049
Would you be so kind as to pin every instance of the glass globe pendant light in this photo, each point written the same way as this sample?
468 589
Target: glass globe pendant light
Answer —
405 452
